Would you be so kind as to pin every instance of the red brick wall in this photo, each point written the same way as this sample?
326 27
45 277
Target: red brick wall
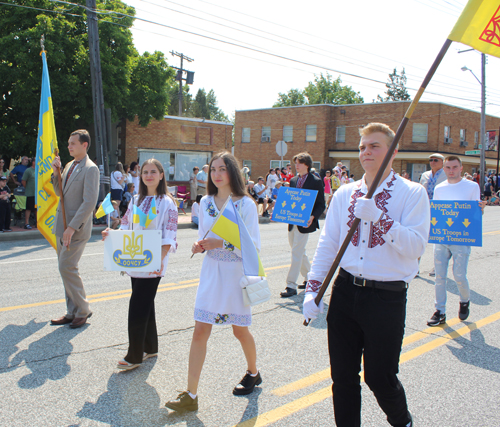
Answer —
169 134
328 117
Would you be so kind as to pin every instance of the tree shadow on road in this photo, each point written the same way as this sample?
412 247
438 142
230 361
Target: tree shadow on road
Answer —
477 352
12 335
40 355
319 323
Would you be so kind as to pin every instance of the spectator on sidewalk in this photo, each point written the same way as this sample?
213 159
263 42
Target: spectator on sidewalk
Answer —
195 211
202 179
29 182
17 173
4 205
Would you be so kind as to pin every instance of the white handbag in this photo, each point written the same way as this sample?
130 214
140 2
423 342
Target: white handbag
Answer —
255 290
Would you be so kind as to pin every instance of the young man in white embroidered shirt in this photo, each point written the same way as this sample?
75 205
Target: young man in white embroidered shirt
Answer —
454 188
368 302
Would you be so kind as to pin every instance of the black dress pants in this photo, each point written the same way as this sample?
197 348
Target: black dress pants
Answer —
142 334
369 322
4 215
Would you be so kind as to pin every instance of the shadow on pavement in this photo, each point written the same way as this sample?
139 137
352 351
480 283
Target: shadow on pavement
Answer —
252 409
54 347
476 352
475 298
32 248
129 401
319 323
12 335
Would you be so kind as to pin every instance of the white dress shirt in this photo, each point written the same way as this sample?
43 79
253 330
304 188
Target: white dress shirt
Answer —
385 251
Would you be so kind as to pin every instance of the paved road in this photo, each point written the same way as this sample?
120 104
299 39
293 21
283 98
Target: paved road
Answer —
54 376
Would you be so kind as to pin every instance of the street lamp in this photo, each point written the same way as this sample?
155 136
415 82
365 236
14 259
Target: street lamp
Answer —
482 82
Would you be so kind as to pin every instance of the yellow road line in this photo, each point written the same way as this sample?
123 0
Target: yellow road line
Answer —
108 296
318 396
325 374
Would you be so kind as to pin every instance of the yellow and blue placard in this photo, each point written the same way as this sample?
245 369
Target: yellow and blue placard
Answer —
230 227
294 205
456 222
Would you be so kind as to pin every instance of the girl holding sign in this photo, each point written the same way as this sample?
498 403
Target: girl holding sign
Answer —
219 300
153 192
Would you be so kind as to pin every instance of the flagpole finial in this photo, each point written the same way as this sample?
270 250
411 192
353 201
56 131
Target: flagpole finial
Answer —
42 43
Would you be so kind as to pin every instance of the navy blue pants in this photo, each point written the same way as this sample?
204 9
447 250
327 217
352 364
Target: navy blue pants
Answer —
368 322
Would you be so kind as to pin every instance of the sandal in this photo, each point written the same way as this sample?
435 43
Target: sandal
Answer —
148 355
126 366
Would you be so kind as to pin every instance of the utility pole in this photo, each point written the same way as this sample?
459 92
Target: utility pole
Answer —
483 123
97 91
180 71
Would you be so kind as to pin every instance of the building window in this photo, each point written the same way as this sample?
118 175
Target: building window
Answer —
476 139
248 164
288 133
462 135
177 164
340 134
311 133
420 132
245 135
278 163
266 134
447 135
317 166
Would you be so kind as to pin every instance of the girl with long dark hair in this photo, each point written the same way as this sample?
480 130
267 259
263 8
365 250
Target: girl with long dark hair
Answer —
219 300
143 337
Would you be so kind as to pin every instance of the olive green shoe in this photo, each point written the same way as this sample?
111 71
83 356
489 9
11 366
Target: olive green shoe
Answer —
183 403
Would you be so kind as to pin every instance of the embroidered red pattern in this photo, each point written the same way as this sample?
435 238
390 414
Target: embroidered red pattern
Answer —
355 238
384 225
491 33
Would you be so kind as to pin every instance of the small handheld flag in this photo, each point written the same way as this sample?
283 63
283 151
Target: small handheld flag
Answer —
105 208
142 218
230 227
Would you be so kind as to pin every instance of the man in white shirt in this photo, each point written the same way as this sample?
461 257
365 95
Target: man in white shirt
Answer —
367 309
202 179
260 190
454 188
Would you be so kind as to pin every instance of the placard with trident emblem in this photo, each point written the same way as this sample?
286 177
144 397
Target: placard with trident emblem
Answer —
132 251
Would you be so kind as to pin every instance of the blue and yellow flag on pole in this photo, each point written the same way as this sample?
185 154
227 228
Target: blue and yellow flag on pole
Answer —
479 26
105 208
230 227
46 198
142 218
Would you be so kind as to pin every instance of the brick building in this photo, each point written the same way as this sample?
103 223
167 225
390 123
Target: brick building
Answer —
180 143
330 134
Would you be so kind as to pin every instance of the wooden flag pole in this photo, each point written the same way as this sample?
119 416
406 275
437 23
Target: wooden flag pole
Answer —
378 177
59 179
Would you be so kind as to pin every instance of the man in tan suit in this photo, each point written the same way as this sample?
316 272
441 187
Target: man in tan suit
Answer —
80 182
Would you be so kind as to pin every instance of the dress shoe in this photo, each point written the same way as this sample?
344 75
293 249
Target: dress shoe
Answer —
288 292
183 403
61 321
303 286
247 384
78 322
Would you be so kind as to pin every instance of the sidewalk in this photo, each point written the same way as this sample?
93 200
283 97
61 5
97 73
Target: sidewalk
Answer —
19 233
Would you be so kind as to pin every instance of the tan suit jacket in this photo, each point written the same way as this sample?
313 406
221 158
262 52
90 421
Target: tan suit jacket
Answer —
80 198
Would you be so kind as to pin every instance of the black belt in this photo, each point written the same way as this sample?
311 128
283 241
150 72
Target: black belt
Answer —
398 285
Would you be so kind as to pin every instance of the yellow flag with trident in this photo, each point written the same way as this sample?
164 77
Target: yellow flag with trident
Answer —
479 26
46 198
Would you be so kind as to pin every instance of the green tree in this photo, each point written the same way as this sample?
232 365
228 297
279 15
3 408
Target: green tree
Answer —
396 88
293 97
199 107
132 84
324 90
214 111
187 99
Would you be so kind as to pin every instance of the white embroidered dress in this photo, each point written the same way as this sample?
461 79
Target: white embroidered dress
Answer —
219 299
166 221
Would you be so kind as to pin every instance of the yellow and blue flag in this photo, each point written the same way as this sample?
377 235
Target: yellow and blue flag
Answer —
105 208
478 26
46 198
230 227
144 219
